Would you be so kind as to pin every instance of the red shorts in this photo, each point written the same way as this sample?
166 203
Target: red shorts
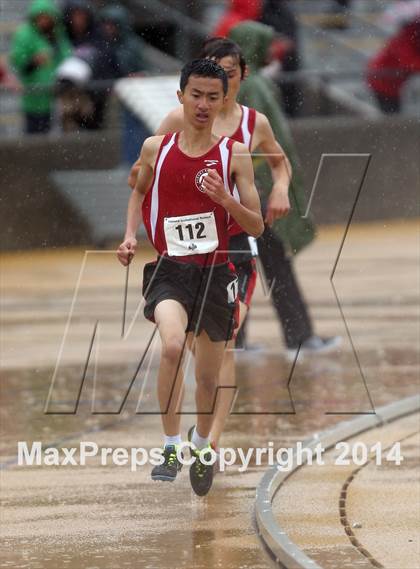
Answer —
247 278
245 265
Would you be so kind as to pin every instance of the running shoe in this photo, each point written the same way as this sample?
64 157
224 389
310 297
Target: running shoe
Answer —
216 466
170 467
201 475
315 345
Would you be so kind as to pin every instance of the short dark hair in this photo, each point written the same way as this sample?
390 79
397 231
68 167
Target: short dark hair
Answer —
217 47
203 68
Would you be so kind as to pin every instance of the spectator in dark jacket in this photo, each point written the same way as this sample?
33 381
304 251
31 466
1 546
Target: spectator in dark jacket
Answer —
278 15
103 54
122 48
79 21
84 79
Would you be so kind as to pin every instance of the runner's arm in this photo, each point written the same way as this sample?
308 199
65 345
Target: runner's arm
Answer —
146 159
281 170
247 212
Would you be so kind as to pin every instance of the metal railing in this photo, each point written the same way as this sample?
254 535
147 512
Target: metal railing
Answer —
284 76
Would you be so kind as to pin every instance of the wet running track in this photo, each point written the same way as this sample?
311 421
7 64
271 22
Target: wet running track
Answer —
97 516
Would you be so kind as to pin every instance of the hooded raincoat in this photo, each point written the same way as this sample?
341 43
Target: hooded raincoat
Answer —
27 43
127 49
259 92
90 35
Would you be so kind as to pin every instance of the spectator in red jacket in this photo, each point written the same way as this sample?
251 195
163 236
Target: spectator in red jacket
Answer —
394 65
238 11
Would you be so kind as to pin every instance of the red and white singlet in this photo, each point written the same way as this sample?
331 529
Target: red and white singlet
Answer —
180 219
243 134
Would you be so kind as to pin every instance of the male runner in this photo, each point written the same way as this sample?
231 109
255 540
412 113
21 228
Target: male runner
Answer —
184 187
253 129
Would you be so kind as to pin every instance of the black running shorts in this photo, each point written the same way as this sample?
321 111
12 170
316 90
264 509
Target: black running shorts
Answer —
208 294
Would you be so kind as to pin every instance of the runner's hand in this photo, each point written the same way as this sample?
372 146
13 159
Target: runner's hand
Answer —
278 206
126 251
213 186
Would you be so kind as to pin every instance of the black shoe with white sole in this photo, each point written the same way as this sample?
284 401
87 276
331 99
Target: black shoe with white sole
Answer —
171 466
201 474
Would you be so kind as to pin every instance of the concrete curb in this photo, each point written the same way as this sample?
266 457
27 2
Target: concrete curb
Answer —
283 549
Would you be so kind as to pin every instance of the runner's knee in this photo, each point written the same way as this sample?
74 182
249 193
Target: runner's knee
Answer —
206 380
172 349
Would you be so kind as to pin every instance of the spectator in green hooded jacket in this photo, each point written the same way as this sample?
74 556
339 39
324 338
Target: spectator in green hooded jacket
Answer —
38 47
259 92
288 235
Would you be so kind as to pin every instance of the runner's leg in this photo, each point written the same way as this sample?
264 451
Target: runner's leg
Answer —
208 361
171 319
227 378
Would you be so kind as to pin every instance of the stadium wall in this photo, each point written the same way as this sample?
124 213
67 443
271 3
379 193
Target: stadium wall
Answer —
34 215
391 188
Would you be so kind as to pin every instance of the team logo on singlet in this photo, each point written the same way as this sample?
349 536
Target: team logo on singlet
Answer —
199 179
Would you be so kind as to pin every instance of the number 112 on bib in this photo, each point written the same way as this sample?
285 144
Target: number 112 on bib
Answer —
191 234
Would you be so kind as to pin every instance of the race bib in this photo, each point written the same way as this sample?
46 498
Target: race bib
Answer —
191 234
253 246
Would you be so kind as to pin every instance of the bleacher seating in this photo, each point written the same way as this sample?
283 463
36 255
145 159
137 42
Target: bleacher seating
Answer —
341 55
